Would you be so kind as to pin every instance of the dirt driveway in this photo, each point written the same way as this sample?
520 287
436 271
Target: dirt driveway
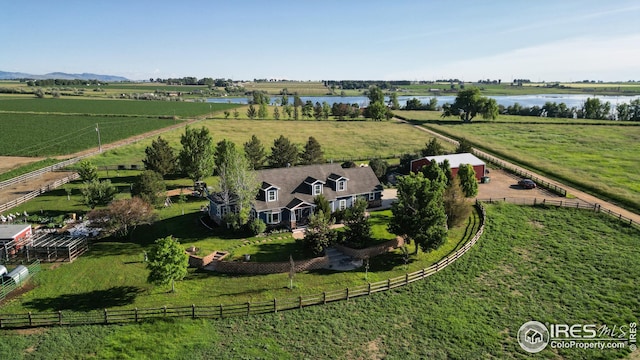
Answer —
503 184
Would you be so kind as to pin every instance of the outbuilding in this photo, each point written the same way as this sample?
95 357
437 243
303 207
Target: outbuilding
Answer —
16 233
455 160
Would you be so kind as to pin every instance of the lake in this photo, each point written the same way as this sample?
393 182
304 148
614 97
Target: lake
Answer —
570 100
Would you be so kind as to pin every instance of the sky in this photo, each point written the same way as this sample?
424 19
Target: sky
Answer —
541 40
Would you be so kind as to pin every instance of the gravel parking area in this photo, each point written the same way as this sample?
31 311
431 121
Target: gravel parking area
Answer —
503 184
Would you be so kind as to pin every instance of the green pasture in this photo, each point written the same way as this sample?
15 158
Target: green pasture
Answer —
340 140
551 265
111 107
599 158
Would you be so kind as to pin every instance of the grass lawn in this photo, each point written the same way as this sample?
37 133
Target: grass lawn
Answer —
599 158
550 265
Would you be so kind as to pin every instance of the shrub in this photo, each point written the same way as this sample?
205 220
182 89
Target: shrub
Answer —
257 226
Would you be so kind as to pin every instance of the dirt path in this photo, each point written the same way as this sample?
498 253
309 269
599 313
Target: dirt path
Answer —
20 189
575 192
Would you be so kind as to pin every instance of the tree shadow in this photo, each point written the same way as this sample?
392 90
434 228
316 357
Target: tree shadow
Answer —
97 299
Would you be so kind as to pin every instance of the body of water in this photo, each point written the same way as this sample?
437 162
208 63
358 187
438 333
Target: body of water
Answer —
570 100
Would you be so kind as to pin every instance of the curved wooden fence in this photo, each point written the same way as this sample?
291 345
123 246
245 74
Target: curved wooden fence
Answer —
242 309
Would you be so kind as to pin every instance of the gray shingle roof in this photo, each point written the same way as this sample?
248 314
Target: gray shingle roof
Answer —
291 182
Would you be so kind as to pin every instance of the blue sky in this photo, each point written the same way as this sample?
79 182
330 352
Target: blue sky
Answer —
560 40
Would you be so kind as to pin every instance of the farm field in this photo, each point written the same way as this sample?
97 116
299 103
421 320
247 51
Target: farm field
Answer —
111 107
528 89
293 87
530 264
600 159
340 140
51 135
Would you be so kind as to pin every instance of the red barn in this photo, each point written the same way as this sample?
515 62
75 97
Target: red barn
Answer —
16 233
455 160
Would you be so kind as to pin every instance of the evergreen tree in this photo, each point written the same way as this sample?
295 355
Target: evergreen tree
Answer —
276 113
464 146
222 149
150 187
98 193
432 148
283 153
357 229
312 153
87 171
318 236
160 157
455 204
263 111
322 204
255 153
251 112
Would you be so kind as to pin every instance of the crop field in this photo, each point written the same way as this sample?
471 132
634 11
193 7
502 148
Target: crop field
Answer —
50 135
111 107
551 265
300 87
340 140
599 158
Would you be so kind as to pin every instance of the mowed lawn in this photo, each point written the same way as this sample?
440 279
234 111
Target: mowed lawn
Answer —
599 158
340 140
551 265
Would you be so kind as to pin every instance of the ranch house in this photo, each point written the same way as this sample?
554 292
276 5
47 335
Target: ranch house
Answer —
455 160
285 197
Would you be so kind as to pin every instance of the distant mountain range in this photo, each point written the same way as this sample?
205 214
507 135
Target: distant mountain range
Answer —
60 75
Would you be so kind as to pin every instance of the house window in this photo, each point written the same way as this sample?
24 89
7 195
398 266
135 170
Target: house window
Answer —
273 218
272 195
317 189
342 185
372 196
342 204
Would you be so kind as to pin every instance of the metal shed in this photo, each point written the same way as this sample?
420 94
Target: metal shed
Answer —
19 274
3 270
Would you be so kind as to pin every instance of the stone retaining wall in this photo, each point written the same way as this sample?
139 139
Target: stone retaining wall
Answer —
241 267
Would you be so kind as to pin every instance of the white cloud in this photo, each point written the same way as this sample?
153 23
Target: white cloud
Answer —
596 58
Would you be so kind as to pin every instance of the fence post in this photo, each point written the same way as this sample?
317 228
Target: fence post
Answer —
324 297
59 317
221 311
193 311
388 284
369 290
406 278
30 319
275 307
248 307
300 299
347 294
136 312
106 317
165 311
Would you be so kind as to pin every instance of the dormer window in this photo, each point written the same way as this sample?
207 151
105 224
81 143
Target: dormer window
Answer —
342 185
272 195
317 189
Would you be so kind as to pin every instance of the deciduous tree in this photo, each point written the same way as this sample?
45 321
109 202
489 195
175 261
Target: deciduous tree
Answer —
318 236
357 229
468 181
237 181
98 193
456 205
418 214
167 262
469 103
379 167
432 148
122 216
197 154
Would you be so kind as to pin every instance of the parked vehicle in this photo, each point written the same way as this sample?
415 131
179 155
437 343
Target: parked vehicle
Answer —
527 184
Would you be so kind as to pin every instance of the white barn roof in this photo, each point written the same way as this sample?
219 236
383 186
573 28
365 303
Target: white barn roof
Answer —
11 231
455 160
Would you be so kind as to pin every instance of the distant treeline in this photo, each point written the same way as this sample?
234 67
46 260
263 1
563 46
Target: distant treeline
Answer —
364 84
190 80
62 82
593 108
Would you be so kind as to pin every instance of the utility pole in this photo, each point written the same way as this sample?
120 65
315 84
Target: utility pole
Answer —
99 142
